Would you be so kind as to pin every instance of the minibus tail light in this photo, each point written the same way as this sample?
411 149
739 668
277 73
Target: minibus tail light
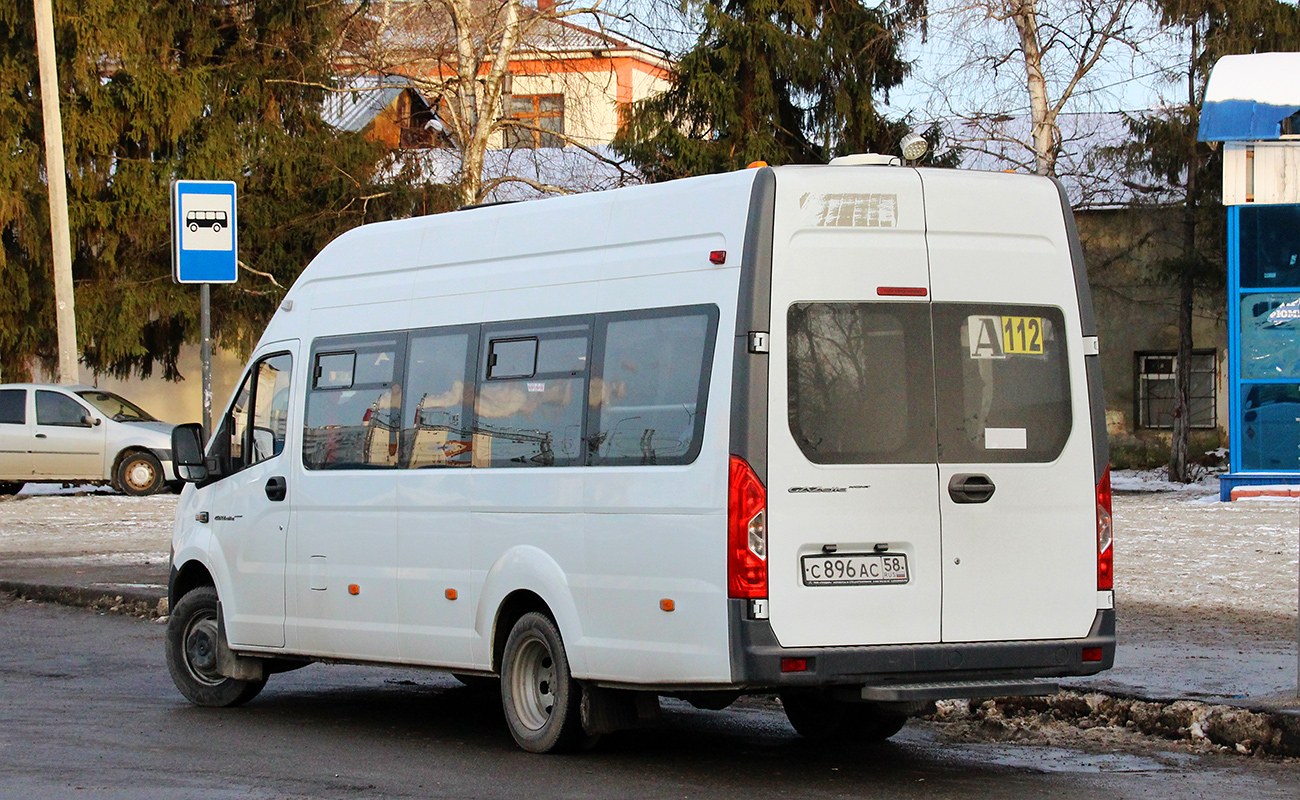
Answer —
746 533
1105 550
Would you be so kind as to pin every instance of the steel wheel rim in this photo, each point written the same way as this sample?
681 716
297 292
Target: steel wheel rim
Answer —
532 683
199 645
140 475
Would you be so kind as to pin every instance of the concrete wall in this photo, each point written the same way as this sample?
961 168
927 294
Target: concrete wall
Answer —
1136 311
173 402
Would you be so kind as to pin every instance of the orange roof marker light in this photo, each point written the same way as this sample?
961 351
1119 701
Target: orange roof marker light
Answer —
756 164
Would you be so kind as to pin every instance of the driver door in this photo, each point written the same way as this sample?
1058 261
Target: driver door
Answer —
248 506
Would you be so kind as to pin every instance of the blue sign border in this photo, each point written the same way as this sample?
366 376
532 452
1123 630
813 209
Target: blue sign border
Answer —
204 266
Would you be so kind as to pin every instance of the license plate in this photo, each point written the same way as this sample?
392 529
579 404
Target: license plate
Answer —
854 569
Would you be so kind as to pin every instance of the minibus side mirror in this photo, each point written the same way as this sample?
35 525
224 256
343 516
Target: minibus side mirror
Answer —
187 452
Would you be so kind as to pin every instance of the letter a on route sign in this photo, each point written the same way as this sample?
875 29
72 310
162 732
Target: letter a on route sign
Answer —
985 334
204 232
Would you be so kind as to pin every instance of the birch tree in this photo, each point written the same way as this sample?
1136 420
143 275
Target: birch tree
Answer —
1032 58
458 53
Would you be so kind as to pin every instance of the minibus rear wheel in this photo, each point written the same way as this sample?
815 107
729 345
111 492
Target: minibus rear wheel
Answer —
192 633
816 715
542 701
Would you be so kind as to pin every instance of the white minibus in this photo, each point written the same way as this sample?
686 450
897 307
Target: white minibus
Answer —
828 432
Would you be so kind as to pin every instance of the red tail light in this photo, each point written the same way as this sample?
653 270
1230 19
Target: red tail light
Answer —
1105 551
746 533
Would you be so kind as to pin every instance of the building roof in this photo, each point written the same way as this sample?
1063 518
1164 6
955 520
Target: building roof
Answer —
360 99
1252 98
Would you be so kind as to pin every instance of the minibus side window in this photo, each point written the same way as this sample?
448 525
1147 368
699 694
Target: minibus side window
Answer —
537 419
861 384
353 419
651 383
435 426
1003 381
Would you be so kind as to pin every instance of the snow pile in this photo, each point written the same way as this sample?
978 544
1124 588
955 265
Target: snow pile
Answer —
1156 480
1208 726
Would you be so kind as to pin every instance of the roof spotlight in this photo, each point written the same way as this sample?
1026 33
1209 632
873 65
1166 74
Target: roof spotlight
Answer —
913 146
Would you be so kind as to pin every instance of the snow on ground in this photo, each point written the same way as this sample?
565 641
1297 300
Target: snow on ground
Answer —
1174 546
93 523
1185 548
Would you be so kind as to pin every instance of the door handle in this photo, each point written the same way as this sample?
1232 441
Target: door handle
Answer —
40 436
968 488
276 488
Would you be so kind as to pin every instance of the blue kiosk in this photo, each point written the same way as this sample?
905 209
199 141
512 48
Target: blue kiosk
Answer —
1252 106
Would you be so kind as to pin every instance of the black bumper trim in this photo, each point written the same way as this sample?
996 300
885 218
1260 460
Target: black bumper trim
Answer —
756 658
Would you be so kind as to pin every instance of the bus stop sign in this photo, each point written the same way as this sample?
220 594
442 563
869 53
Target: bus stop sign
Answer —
204 245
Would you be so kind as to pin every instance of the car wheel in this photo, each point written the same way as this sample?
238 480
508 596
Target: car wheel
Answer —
542 701
139 474
816 715
9 487
192 633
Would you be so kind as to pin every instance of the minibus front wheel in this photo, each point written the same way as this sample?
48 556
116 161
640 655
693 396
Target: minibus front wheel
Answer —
193 646
542 701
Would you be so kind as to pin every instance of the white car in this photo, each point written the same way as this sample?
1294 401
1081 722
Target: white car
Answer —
57 434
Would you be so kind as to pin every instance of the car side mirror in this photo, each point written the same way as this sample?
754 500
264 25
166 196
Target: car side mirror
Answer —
187 452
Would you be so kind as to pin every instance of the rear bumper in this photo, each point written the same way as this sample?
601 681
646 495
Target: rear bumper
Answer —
756 658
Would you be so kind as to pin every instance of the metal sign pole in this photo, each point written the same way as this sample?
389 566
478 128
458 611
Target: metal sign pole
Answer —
205 354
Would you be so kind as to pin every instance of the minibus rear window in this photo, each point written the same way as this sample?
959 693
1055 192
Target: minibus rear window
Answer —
1003 383
861 386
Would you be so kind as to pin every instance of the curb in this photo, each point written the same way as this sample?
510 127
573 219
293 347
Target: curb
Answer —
130 601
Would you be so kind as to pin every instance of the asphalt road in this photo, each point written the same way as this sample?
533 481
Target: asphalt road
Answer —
87 711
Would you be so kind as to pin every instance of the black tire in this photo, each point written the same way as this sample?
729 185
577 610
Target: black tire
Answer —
542 701
816 715
478 681
139 474
9 487
216 227
194 227
192 631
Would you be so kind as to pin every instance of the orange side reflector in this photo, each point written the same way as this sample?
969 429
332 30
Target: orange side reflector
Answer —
450 594
756 164
666 605
354 589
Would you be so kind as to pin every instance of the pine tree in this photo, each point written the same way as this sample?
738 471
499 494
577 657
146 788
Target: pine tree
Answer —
782 81
151 92
1165 147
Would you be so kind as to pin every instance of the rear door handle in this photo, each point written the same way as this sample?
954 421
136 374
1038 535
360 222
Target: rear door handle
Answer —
969 488
276 488
40 436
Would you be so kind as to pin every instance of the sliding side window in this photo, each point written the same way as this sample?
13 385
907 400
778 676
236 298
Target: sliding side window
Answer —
648 398
531 394
354 402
